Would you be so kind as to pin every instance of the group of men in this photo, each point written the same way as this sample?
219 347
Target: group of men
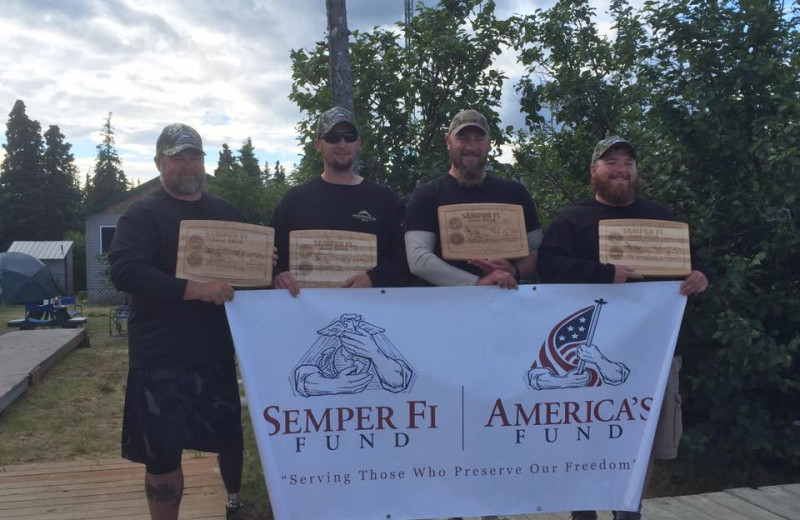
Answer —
182 390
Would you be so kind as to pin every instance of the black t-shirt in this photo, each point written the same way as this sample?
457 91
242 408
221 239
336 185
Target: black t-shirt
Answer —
570 251
365 208
164 330
422 213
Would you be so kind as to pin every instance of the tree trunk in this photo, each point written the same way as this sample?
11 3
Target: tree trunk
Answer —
338 43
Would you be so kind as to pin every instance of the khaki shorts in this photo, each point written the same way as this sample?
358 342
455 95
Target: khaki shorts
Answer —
670 425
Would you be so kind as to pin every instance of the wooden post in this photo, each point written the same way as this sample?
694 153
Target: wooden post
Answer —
338 46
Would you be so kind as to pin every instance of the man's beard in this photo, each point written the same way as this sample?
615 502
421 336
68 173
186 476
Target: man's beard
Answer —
469 176
186 184
616 195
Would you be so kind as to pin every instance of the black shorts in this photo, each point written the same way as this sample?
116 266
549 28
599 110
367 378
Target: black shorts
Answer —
168 410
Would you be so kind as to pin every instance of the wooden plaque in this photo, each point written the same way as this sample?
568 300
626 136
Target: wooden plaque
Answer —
483 231
233 252
327 258
655 248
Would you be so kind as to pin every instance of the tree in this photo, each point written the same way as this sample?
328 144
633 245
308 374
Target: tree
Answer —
238 179
109 178
247 159
280 173
62 186
725 127
226 163
404 98
579 87
23 202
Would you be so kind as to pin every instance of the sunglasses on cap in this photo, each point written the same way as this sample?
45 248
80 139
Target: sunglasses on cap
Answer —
335 137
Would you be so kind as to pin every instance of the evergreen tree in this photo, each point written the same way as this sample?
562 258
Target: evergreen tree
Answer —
266 176
247 159
62 186
226 163
109 178
23 203
280 173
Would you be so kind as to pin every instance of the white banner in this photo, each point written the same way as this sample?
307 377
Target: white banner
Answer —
463 401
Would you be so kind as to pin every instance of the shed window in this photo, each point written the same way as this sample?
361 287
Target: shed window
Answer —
106 234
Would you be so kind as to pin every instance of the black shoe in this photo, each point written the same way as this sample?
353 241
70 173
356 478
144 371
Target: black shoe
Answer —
584 515
233 511
627 515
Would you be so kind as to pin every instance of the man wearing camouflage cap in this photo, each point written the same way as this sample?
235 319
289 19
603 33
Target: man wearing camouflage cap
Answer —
468 143
341 199
182 390
570 253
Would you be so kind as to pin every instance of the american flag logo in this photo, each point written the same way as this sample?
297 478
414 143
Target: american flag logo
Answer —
558 353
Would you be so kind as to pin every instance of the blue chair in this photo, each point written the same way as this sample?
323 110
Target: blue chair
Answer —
77 308
38 316
118 320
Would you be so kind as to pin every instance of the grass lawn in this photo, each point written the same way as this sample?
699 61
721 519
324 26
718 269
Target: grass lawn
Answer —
76 411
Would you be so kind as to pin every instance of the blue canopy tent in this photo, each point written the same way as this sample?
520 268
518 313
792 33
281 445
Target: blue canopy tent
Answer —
24 278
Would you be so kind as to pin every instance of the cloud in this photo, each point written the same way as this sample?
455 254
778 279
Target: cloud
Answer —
222 67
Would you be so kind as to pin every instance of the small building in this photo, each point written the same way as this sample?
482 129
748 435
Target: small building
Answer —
101 222
56 255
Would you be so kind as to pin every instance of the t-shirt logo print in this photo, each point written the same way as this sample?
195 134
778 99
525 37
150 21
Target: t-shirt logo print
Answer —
568 358
350 356
363 216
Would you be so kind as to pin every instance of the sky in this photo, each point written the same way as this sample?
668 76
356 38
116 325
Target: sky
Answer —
221 67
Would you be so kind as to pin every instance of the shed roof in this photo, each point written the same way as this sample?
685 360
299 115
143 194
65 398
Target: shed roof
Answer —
43 250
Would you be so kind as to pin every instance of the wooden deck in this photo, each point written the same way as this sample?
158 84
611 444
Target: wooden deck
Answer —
26 354
114 489
103 489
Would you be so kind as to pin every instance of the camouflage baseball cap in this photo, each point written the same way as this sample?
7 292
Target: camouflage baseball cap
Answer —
178 137
467 118
332 117
609 143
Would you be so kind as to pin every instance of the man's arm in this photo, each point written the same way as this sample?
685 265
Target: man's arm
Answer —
133 269
423 262
132 260
560 260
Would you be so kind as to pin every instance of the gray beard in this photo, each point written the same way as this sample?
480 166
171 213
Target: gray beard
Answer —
185 185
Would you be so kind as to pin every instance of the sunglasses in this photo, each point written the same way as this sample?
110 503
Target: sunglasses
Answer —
335 137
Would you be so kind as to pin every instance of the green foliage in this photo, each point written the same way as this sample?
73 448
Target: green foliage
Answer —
240 180
579 87
109 179
61 188
405 97
78 259
725 112
708 92
23 201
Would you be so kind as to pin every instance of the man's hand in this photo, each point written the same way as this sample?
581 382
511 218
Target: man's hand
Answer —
274 256
623 273
211 292
501 278
695 283
487 266
285 280
359 281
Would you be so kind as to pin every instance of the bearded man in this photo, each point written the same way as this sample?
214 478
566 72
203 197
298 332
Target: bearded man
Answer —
468 143
182 390
570 253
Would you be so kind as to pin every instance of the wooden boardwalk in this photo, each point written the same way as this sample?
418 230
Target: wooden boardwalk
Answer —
114 489
26 354
103 489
